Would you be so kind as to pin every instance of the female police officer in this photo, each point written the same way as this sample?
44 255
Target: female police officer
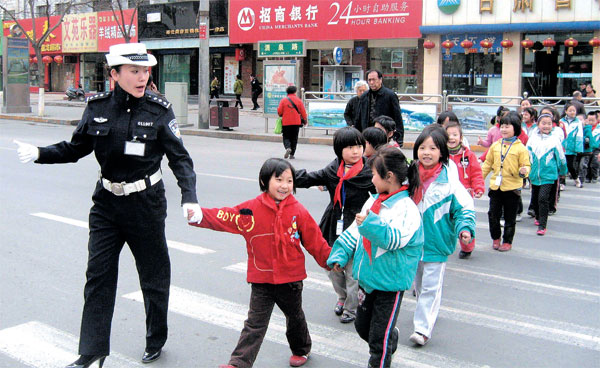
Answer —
129 131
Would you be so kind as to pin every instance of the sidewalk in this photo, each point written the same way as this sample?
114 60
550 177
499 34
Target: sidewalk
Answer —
251 123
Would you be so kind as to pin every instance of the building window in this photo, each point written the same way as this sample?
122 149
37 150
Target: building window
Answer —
42 10
398 65
61 8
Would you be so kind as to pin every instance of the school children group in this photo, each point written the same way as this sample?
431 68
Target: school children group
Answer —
390 223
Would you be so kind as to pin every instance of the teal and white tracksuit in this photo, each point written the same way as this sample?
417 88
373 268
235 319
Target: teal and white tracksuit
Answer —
547 158
573 143
447 210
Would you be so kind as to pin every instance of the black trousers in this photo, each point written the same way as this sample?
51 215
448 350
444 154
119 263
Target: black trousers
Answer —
584 160
572 166
540 202
375 323
214 93
290 137
288 298
138 220
594 167
255 95
554 195
507 203
239 101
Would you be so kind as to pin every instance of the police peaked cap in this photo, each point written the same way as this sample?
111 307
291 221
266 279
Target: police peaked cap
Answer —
129 54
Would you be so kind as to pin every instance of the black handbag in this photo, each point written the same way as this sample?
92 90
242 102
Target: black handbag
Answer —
298 111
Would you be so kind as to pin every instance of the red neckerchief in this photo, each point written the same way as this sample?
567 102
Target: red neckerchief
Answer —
354 170
424 175
375 208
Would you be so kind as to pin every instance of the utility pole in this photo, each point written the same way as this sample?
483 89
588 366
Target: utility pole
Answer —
203 65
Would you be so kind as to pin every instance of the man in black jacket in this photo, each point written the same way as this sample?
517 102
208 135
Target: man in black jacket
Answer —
379 100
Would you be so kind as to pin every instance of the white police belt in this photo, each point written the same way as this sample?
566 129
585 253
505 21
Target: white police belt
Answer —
124 189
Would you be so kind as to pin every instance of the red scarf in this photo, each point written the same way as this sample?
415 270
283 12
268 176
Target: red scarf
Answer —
425 175
354 170
375 208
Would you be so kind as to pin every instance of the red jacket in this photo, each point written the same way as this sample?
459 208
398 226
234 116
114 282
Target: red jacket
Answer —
289 115
273 235
469 171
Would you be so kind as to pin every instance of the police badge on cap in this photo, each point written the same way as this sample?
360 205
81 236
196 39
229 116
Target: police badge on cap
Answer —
129 54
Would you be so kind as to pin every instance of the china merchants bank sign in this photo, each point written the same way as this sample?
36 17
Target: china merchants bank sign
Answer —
320 20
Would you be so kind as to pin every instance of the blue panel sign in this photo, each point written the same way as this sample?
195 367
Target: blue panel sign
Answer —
338 55
495 38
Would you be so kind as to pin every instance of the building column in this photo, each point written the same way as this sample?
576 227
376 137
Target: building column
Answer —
596 64
432 67
512 66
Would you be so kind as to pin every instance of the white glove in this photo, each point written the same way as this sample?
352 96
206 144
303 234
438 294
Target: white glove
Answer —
192 212
27 152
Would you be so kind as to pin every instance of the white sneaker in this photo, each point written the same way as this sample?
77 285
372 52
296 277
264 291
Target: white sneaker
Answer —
578 183
418 339
562 187
519 218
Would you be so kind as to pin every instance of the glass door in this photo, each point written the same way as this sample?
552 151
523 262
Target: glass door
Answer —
472 74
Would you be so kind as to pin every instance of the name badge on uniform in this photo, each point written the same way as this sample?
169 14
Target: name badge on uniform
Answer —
339 227
134 148
498 181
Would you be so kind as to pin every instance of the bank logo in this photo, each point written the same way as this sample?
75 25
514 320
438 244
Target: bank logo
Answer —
448 6
245 19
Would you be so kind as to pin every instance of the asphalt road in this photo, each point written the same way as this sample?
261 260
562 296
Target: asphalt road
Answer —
536 306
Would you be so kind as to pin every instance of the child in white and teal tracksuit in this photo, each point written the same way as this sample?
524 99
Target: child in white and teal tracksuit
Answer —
548 162
573 142
386 242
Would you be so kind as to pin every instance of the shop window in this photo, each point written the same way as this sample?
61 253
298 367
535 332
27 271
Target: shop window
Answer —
399 67
472 74
556 73
326 57
42 10
176 68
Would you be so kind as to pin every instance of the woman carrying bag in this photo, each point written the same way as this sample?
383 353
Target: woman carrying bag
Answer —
293 115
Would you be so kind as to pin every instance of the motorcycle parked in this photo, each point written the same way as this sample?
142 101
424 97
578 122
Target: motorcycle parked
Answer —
75 93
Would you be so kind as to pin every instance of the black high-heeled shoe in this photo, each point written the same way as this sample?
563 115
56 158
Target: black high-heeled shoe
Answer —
86 361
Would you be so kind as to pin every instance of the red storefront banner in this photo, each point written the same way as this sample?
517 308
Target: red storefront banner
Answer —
52 44
109 32
319 20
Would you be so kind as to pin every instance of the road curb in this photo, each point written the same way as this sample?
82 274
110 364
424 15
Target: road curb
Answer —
39 119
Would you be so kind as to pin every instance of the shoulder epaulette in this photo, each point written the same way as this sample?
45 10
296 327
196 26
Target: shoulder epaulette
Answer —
99 96
158 100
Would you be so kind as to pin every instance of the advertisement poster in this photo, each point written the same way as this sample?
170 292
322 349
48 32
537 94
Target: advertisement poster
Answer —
253 21
476 116
232 68
418 116
398 59
277 78
80 32
17 63
324 114
109 32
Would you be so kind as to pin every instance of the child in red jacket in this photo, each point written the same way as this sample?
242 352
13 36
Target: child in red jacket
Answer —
273 225
469 171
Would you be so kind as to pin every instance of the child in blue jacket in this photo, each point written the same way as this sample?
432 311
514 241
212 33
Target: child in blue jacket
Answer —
385 241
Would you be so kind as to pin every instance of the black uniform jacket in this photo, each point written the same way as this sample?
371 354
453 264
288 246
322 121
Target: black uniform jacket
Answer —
386 104
113 118
357 192
351 112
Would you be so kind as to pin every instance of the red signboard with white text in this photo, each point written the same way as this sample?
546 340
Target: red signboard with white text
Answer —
109 32
52 44
320 20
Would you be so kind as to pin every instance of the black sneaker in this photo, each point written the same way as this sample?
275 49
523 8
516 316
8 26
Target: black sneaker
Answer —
551 213
531 213
462 254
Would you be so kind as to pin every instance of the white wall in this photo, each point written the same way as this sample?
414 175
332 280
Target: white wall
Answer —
543 11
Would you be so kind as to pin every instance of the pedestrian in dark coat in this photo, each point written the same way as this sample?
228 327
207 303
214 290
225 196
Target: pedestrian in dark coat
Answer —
256 90
351 112
129 131
379 100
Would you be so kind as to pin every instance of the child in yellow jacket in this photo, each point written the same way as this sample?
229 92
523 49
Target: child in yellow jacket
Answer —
508 159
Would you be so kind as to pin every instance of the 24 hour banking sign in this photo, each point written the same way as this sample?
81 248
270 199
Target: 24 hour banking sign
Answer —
319 20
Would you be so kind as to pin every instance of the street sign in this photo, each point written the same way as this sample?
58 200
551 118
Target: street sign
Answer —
281 48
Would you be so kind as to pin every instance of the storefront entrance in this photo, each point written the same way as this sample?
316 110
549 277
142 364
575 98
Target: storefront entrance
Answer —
472 74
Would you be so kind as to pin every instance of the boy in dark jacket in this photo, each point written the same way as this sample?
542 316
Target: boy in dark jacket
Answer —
348 181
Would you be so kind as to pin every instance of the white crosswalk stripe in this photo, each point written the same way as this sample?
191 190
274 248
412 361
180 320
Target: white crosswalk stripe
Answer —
509 322
558 234
188 248
552 219
38 345
340 345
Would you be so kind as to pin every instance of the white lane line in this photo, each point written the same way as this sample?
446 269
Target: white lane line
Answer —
566 290
561 205
38 345
557 234
188 248
226 177
329 342
508 322
558 218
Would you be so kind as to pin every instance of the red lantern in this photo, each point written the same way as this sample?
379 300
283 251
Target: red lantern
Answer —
466 44
428 44
570 43
549 44
486 44
447 45
527 44
507 44
34 60
47 59
595 42
58 59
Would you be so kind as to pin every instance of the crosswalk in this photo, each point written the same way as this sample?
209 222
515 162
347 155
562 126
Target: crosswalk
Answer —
38 344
